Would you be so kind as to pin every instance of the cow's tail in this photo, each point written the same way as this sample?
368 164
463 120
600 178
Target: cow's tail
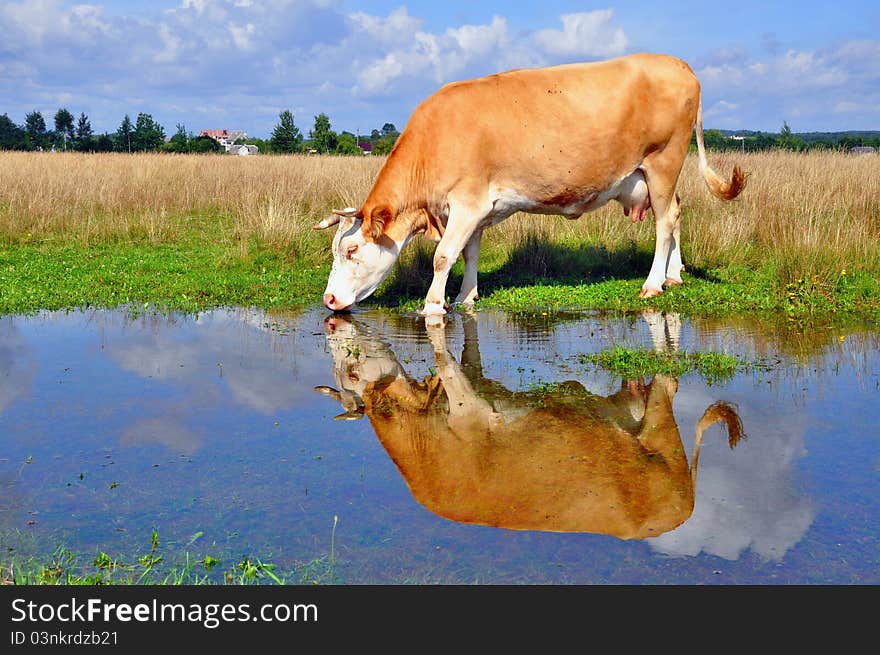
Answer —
719 411
718 187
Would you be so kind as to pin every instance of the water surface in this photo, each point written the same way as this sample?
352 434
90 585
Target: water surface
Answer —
481 452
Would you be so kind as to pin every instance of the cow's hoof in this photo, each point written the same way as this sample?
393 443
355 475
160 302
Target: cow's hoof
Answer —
649 292
435 321
671 282
432 309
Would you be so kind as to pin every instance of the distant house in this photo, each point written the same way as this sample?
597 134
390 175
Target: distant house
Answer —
243 150
862 150
366 147
225 137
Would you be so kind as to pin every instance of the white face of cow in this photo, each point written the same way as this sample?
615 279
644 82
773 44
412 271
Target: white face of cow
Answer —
359 265
359 358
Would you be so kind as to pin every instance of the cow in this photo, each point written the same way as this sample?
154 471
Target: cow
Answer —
556 458
558 140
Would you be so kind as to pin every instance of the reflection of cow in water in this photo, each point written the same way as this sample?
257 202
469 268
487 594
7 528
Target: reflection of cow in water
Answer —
557 458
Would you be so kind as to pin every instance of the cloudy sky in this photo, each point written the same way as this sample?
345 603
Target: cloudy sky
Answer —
237 63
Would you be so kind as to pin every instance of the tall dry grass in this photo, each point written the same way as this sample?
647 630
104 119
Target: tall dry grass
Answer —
159 198
808 214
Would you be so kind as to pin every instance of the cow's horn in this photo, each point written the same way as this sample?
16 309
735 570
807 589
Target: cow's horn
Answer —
331 220
334 218
328 391
349 416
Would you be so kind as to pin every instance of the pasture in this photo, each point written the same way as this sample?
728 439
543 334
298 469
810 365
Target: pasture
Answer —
202 339
195 231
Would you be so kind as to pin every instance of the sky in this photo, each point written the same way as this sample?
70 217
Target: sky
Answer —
236 64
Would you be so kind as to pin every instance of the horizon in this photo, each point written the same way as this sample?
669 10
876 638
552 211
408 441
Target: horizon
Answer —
236 64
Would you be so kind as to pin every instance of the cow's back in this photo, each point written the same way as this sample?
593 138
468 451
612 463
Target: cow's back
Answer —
584 123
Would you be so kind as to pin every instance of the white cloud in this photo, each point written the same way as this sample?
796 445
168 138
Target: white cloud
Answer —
848 106
242 36
810 85
171 46
584 34
243 54
389 29
416 56
376 76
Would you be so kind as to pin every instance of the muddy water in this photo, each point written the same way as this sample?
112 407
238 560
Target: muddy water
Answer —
483 451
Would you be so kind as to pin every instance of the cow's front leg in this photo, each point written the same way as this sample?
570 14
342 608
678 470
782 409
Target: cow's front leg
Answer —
471 253
459 229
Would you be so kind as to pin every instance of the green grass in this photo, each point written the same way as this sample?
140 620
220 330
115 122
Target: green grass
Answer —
188 276
631 363
154 567
196 273
544 276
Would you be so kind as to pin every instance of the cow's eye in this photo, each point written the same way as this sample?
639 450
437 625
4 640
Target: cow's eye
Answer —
350 251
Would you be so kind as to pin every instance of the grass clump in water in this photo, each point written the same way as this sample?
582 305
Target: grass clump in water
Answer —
632 363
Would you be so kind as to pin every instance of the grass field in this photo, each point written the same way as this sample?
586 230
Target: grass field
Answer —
190 232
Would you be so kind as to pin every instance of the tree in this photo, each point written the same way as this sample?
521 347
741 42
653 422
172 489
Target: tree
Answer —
83 133
384 140
789 141
346 144
179 142
35 131
286 137
147 135
384 145
322 137
12 137
202 144
63 126
123 135
83 127
104 143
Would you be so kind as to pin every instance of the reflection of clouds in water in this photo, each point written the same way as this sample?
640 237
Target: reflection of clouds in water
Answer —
259 367
166 431
745 498
16 373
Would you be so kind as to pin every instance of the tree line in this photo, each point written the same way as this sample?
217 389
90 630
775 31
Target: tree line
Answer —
144 134
785 139
287 138
147 135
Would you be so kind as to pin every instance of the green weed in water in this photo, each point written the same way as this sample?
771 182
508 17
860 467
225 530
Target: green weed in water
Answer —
633 363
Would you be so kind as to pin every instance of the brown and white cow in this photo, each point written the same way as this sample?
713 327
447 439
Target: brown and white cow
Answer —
559 459
585 133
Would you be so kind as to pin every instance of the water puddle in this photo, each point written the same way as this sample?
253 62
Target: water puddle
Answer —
484 450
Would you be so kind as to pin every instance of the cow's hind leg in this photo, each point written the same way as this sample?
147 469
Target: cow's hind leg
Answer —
464 219
662 170
471 253
674 266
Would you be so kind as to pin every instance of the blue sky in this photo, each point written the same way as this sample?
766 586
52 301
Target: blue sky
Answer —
237 63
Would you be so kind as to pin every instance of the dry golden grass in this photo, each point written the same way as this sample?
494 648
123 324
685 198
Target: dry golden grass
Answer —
810 214
101 198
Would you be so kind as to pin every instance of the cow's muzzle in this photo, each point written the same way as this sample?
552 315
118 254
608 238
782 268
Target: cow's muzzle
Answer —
333 304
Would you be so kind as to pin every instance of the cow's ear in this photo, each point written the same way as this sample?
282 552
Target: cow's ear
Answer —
376 221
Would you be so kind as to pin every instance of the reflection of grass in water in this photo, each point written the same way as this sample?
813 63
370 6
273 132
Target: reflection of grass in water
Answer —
632 363
152 568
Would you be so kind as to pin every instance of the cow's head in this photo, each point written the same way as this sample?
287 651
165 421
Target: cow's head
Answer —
360 359
363 254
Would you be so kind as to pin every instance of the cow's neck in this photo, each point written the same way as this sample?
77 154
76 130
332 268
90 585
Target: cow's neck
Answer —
400 185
